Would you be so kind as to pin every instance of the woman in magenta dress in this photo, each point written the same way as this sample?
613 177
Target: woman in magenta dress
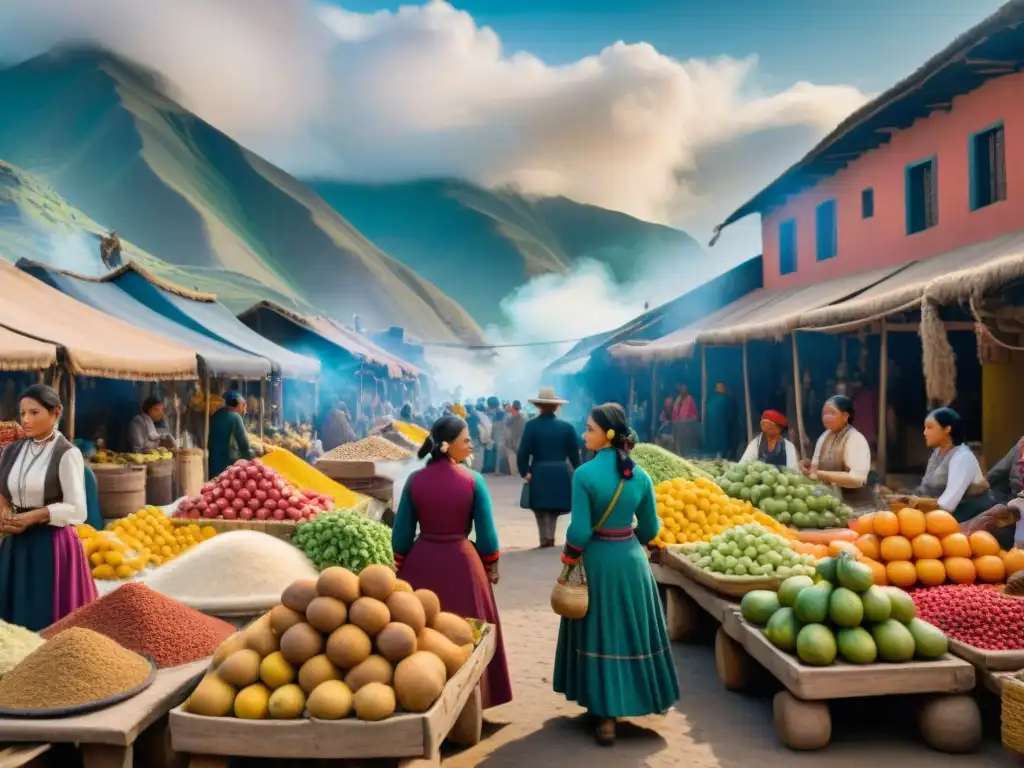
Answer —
447 500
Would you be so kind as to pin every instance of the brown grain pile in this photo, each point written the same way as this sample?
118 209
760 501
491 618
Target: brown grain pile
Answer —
372 448
76 667
154 625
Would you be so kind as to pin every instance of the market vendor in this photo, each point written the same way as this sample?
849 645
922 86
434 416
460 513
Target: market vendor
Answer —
771 446
842 456
148 431
1006 477
229 441
953 474
44 574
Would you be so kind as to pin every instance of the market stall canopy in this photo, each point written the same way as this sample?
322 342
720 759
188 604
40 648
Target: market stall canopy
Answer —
219 358
760 315
20 353
947 279
203 313
95 344
335 334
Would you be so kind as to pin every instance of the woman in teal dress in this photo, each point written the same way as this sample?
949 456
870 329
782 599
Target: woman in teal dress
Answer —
616 661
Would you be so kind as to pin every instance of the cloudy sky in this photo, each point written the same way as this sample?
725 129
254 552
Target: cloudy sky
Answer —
671 110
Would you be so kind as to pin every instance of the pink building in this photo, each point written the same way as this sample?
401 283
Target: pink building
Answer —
934 164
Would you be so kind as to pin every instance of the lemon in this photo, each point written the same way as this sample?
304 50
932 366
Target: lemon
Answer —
103 572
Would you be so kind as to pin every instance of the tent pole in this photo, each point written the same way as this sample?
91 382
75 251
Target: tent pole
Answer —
798 395
746 394
263 405
632 393
70 428
703 383
883 406
655 405
206 426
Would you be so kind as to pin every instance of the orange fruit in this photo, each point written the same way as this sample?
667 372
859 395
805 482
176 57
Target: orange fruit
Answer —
926 547
960 570
885 523
864 523
956 545
990 569
868 544
983 543
881 578
835 547
1013 561
911 522
940 523
896 548
930 572
901 573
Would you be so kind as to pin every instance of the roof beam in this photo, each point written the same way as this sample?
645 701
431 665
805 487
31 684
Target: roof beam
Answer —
991 62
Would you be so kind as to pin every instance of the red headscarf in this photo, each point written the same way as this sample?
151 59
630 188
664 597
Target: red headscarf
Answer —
776 417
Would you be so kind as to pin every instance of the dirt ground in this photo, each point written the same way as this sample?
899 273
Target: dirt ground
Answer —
709 725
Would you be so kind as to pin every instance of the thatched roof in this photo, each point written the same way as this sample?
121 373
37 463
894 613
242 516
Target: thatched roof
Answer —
993 48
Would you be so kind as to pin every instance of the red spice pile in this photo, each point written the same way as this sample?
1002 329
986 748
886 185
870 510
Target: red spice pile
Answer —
973 614
150 624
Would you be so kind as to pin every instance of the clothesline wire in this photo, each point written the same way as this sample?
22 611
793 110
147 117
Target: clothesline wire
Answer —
481 347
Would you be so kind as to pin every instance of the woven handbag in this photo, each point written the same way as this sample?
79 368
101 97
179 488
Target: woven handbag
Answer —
570 597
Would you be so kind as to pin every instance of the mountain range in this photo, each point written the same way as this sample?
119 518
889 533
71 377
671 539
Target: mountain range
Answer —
90 142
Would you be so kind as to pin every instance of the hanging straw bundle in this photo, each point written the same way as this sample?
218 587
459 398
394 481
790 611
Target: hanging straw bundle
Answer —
939 358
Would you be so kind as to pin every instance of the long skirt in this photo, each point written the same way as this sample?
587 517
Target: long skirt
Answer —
44 576
617 660
450 567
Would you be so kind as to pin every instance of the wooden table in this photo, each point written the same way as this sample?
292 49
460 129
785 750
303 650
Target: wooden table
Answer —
801 711
22 755
684 599
213 741
107 737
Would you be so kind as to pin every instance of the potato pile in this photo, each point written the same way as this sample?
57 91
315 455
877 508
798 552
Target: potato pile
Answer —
335 645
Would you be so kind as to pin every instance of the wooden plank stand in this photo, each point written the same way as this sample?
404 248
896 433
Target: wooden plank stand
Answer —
685 600
408 739
948 717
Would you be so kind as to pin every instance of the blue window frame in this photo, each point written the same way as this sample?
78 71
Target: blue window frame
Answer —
922 193
825 236
787 247
986 151
867 203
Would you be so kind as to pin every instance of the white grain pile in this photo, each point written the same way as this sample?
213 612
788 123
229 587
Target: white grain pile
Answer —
15 644
233 572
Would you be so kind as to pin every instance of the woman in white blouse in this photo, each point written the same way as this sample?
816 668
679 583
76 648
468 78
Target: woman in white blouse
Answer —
842 456
953 475
44 574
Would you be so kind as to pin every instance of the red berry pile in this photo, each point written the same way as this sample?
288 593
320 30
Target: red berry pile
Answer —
973 614
249 490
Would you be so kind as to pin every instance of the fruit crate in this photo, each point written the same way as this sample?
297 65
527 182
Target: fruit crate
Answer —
986 660
281 529
213 741
728 586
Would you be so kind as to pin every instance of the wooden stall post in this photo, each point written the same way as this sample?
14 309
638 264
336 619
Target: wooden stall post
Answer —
883 397
798 395
206 426
703 383
632 393
655 405
746 394
263 405
69 429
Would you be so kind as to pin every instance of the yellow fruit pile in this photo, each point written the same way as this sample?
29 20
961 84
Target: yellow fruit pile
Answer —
697 510
147 537
413 432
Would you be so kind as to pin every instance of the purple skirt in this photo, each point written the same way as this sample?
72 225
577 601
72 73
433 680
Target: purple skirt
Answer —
73 585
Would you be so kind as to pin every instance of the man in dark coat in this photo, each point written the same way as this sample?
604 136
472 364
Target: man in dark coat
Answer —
547 456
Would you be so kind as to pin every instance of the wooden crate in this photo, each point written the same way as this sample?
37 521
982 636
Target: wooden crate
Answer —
730 586
107 737
988 661
848 681
400 736
347 470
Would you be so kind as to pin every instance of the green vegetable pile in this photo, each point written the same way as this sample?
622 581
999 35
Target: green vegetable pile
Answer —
664 465
748 550
789 497
347 538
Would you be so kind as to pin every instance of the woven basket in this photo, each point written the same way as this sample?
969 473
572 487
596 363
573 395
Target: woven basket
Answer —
1012 702
570 597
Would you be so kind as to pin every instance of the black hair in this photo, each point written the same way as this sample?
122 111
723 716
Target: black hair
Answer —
150 403
843 404
44 395
406 412
232 399
517 405
947 417
445 430
612 416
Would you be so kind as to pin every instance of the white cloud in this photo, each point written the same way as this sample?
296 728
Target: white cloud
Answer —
425 91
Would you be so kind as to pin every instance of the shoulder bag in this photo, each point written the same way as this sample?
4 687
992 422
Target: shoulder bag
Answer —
570 597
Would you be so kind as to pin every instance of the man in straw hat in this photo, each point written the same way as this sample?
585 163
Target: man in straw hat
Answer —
547 455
